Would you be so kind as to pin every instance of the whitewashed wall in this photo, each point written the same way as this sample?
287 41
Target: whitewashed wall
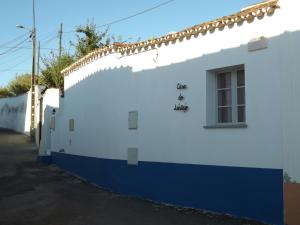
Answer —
100 95
50 101
15 113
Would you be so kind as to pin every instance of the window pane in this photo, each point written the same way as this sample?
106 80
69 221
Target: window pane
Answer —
224 80
241 96
224 115
224 97
241 114
241 78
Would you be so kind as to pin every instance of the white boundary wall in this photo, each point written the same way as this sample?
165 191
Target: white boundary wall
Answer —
15 113
100 95
50 101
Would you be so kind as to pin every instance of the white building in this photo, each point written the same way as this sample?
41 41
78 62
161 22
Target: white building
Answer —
205 118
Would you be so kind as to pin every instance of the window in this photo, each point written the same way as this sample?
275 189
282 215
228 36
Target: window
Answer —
226 97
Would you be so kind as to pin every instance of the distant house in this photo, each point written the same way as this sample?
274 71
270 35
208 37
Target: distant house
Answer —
207 117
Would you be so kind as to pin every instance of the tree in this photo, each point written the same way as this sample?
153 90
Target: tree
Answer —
51 76
88 39
20 85
4 92
92 39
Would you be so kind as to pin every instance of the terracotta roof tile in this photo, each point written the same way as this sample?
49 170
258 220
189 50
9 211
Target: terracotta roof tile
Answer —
247 14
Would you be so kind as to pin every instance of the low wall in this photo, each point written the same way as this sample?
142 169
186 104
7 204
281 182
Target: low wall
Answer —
15 113
48 102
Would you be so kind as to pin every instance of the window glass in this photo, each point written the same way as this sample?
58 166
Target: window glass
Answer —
241 96
224 80
240 78
241 114
224 97
225 115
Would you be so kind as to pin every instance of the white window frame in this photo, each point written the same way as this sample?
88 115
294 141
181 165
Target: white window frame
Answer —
212 118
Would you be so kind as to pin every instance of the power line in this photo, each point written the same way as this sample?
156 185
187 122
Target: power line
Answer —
16 70
16 65
15 39
47 35
131 16
11 53
27 48
14 47
48 41
13 58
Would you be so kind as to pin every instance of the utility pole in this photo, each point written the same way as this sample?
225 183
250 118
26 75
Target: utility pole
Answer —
59 54
60 38
33 36
38 61
33 81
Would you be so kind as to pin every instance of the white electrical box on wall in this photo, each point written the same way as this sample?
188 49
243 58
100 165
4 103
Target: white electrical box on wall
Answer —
132 156
133 120
71 125
52 122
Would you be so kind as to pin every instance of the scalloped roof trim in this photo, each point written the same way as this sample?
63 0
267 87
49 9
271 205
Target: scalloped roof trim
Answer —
246 14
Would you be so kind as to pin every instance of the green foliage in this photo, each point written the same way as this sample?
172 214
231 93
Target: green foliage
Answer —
88 39
51 76
20 85
4 92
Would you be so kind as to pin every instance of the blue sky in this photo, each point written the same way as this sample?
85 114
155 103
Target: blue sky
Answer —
174 16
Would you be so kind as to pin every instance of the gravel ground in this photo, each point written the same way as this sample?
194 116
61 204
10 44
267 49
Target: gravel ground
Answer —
34 194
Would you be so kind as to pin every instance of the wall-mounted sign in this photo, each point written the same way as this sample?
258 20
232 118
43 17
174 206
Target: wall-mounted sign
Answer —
181 86
180 97
181 106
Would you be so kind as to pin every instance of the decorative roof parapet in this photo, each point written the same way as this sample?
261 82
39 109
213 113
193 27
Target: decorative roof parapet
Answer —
247 14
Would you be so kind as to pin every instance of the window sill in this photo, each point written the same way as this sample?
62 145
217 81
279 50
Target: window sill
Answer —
218 126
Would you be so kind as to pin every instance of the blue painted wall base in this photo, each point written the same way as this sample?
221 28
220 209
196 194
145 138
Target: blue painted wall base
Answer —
44 159
243 192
